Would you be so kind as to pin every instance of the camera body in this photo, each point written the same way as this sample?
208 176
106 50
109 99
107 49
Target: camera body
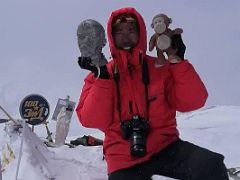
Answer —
136 129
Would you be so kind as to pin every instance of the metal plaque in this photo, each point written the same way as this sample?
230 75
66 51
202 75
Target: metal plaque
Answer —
35 109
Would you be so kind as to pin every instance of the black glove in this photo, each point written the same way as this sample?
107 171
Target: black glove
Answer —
85 63
177 43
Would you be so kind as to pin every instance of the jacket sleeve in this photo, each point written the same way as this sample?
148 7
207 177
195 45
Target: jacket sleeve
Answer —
184 89
95 107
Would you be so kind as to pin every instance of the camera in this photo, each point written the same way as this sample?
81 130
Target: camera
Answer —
136 129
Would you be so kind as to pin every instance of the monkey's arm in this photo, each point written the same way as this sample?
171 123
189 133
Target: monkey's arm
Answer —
178 31
152 42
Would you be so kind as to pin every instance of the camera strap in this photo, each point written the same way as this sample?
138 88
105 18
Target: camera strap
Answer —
145 79
116 77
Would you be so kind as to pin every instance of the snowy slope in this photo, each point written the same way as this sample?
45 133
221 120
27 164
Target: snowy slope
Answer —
216 128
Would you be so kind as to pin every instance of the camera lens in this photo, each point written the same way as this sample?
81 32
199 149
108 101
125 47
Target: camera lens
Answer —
138 144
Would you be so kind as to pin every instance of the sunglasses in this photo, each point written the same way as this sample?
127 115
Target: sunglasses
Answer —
123 18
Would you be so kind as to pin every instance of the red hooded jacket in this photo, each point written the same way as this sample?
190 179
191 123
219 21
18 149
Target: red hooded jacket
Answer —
172 88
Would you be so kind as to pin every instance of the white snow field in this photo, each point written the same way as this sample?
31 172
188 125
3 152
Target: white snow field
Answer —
216 128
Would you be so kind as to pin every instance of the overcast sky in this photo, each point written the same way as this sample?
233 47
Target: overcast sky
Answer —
38 44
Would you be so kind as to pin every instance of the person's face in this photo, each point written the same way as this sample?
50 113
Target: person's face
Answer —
125 35
89 41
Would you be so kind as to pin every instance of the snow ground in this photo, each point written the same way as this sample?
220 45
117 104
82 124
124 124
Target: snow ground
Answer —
216 128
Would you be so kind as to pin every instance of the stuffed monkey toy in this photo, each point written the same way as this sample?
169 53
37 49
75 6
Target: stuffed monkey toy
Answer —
161 39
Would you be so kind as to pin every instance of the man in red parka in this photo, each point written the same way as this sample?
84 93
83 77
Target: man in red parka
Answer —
134 101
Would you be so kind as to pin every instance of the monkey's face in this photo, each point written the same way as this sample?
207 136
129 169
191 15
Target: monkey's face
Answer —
159 24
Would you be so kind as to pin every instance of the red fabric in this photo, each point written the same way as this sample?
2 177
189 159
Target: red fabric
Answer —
172 88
